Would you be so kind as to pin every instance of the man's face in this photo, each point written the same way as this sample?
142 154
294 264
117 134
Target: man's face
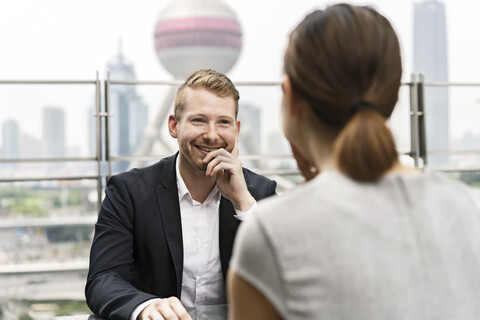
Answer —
207 123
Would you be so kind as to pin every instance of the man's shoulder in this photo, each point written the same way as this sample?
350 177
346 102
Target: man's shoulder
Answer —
149 174
250 175
258 184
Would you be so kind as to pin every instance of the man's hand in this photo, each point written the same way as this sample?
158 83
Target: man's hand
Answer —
165 309
227 169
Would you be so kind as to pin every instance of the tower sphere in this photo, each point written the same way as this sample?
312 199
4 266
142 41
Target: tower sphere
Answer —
197 34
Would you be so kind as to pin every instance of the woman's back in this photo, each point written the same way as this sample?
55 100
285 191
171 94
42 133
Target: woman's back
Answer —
406 247
364 240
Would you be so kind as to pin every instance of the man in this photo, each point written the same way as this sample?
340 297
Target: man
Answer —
164 235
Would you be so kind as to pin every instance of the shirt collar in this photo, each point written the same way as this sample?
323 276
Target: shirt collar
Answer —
214 195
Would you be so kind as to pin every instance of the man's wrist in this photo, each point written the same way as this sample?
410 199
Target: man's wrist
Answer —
244 215
245 204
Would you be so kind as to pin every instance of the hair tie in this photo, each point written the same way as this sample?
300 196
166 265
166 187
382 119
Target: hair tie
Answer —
362 104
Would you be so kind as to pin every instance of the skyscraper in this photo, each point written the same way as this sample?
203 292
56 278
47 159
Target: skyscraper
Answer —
250 117
129 113
430 58
11 139
53 132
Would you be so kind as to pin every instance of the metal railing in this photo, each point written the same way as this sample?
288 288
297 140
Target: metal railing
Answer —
418 150
418 147
417 120
419 114
98 156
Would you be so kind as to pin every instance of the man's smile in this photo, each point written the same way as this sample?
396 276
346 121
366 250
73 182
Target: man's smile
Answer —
207 149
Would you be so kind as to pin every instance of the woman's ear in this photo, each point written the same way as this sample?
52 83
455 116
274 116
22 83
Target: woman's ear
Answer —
293 100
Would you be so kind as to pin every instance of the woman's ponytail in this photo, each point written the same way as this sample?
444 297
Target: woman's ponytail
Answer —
365 148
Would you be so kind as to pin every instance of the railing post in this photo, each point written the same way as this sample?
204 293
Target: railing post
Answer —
422 135
415 148
99 140
107 125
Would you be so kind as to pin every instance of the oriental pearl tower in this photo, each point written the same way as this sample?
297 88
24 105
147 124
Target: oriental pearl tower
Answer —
190 35
197 34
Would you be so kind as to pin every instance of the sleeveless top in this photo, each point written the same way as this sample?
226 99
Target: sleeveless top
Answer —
405 247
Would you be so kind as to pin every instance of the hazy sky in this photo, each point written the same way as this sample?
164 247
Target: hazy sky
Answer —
59 39
52 39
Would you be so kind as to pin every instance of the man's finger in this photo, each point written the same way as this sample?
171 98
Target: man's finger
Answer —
222 163
221 167
156 316
180 310
167 312
213 154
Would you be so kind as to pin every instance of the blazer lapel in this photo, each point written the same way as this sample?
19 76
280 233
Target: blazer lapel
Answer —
227 230
167 195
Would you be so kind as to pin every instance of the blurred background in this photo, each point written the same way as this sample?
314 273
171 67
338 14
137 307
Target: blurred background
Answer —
86 88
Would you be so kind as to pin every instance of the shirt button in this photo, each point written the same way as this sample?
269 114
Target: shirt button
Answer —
200 281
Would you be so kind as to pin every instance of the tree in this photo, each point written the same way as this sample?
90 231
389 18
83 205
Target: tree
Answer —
471 178
25 316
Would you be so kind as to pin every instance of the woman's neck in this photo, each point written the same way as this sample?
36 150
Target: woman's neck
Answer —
403 169
321 152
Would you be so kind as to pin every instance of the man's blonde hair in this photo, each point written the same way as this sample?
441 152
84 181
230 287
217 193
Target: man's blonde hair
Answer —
208 79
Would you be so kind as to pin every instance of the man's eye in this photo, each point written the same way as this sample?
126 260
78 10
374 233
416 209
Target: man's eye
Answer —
199 120
224 122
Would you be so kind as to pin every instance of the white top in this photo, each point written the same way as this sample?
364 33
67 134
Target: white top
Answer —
406 247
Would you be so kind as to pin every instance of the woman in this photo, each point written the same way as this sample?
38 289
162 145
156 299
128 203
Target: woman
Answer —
368 238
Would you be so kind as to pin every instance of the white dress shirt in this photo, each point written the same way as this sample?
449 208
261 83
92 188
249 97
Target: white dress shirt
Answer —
202 278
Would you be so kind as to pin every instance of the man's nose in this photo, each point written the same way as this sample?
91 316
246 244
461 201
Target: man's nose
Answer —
210 132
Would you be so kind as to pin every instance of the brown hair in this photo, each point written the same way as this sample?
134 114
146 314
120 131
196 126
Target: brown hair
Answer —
210 80
337 57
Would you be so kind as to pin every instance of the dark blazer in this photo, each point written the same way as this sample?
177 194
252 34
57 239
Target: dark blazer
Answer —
137 250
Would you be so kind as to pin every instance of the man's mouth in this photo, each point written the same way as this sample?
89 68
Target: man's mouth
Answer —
207 149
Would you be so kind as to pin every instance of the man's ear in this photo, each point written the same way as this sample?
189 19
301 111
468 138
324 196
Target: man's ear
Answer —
172 126
238 127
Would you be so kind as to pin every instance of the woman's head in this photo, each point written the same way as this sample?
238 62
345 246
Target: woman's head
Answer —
344 56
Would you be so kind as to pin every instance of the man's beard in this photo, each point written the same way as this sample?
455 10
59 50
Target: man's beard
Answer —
191 154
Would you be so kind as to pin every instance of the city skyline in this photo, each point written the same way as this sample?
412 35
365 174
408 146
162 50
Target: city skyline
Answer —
53 26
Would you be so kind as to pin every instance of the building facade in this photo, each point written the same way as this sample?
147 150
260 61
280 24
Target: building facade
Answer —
430 58
129 114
